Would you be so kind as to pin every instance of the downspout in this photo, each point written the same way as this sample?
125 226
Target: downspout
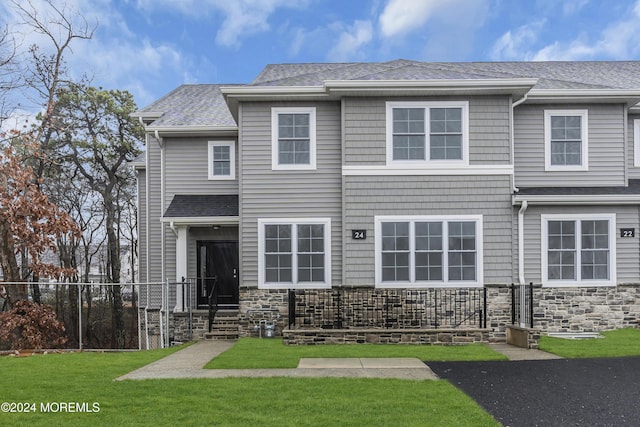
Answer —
513 140
522 288
172 226
521 212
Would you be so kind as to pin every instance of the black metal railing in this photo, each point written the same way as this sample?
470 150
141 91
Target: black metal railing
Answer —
212 301
348 308
522 305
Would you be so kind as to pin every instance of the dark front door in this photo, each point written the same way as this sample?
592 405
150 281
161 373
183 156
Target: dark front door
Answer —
218 263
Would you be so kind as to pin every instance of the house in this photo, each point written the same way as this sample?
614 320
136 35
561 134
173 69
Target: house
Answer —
338 193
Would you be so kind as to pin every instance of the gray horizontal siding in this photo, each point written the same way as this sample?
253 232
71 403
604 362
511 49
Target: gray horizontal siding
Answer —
627 249
288 194
633 172
373 196
365 129
186 169
155 252
141 184
606 147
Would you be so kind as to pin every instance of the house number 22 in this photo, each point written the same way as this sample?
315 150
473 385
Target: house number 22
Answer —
627 232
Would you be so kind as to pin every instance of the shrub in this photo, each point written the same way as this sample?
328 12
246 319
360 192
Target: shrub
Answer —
31 326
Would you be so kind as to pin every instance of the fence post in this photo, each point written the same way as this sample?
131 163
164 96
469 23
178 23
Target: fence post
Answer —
513 304
79 316
292 307
484 291
531 305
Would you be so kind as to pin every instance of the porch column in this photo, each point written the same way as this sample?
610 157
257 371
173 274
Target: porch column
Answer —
181 265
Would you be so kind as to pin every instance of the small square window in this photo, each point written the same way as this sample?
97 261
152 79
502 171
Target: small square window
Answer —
222 160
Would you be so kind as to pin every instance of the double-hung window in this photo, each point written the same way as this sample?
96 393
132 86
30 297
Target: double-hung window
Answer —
428 251
222 160
427 132
578 250
566 140
294 253
293 144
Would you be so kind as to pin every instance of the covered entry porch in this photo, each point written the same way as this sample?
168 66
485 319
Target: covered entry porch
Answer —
205 228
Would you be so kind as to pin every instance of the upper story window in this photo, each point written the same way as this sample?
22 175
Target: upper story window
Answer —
428 132
222 160
428 251
566 140
578 249
293 144
294 253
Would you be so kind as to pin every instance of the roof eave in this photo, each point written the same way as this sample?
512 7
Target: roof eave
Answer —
202 220
630 97
192 130
564 200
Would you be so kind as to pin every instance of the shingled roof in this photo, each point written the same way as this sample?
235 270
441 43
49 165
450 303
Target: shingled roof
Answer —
200 206
551 75
204 104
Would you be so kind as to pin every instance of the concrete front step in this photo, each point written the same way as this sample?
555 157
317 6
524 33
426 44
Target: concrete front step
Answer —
225 326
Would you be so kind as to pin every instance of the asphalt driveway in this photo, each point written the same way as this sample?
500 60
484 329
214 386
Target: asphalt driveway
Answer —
565 392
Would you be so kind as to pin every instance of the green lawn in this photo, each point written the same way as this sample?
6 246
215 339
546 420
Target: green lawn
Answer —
618 343
88 377
250 353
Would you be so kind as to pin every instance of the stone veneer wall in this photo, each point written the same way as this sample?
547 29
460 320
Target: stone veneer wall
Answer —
594 309
384 336
583 309
262 299
153 334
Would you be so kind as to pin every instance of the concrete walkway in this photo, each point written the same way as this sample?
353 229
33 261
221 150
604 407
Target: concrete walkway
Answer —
517 353
190 362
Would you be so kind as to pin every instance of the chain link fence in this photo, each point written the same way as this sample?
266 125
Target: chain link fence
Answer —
113 315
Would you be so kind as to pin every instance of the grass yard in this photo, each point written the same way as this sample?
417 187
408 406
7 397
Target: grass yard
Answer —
251 353
88 377
618 343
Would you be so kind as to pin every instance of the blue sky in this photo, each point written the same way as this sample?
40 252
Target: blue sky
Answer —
151 46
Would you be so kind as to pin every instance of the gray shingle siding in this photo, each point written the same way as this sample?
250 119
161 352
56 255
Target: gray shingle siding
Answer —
288 194
365 129
427 195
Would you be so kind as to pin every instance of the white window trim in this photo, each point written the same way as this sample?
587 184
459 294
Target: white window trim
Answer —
262 222
636 143
275 111
232 159
584 134
545 218
427 124
412 283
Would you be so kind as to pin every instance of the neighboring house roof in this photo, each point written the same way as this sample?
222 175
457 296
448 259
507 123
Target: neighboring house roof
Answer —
201 206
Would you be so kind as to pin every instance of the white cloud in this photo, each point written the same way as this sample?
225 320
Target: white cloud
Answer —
240 18
401 16
351 40
512 43
618 40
